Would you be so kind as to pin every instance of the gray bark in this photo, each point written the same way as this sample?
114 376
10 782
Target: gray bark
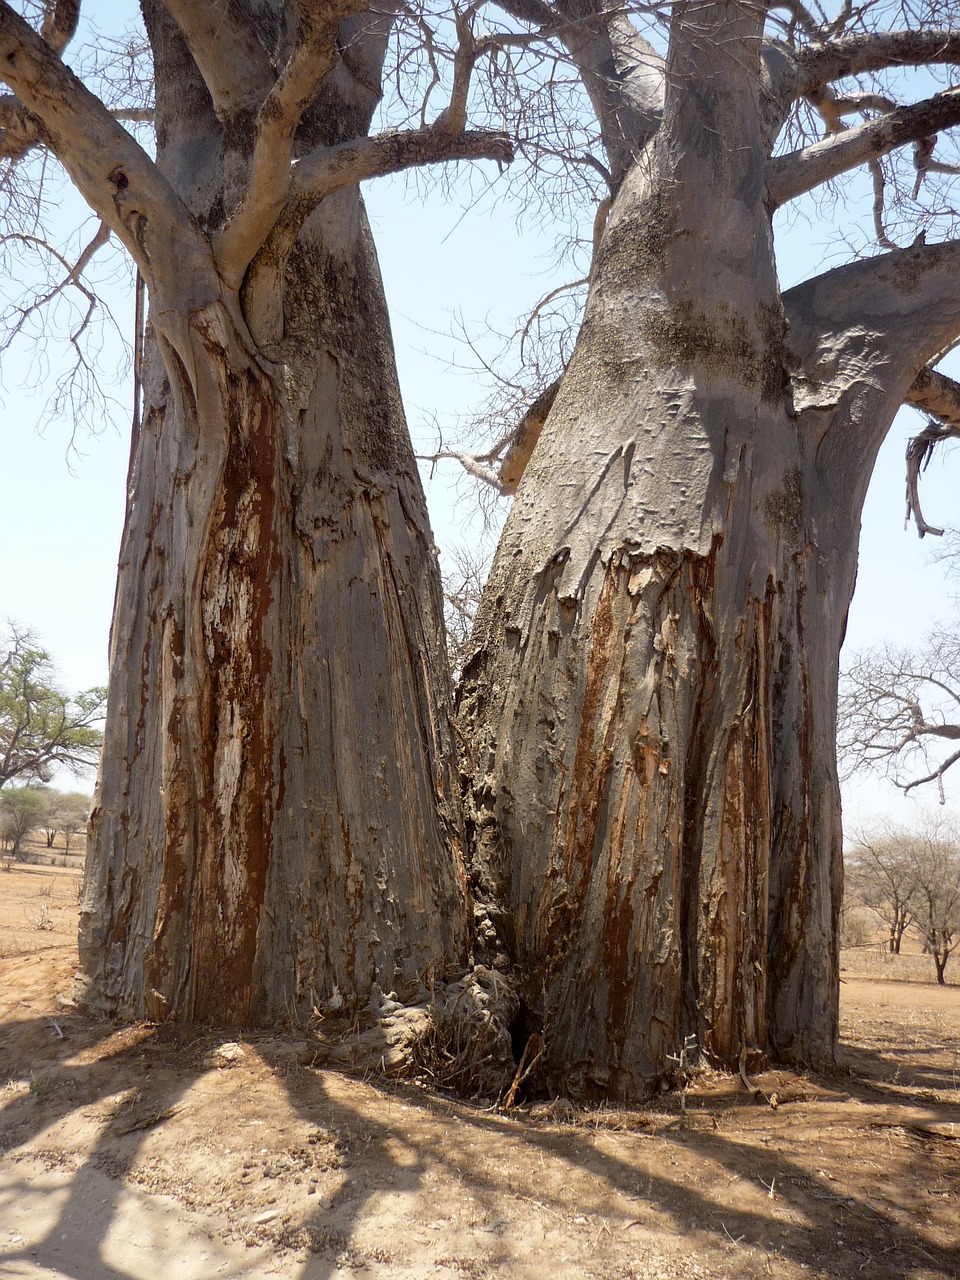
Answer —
277 818
652 698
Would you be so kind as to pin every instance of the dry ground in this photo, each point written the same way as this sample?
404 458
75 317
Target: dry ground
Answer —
132 1153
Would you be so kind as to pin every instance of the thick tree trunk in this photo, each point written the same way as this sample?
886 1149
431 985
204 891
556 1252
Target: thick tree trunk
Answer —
651 701
645 709
277 819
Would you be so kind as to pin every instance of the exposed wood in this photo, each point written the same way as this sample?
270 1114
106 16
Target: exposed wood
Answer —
650 709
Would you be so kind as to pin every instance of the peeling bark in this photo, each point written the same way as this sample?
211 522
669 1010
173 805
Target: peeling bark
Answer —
652 701
277 822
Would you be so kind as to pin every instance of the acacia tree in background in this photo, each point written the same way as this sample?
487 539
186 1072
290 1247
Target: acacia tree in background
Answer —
21 811
41 727
277 815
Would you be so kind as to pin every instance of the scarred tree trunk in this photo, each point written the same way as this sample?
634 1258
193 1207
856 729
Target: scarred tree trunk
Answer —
277 817
652 698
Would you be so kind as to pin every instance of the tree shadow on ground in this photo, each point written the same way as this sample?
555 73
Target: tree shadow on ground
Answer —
830 1229
743 1187
895 1072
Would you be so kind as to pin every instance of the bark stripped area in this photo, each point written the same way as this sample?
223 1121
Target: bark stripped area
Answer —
277 826
652 698
308 806
631 859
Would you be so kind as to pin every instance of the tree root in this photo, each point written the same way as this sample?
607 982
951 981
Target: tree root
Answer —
457 1038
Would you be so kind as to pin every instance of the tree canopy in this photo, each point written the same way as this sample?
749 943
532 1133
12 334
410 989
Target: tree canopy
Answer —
21 811
41 727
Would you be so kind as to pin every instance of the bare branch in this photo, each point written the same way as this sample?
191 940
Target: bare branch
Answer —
621 72
939 396
113 173
896 705
453 118
523 441
332 168
919 452
512 451
472 463
60 23
800 16
228 52
19 131
934 393
936 775
791 175
820 64
72 273
314 53
879 183
134 115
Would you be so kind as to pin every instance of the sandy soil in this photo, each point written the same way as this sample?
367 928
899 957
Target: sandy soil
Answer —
133 1152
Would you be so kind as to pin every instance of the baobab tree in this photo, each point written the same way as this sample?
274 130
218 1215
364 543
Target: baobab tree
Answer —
277 817
651 700
649 709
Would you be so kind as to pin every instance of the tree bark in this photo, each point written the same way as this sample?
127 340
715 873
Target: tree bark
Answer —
651 703
634 675
277 820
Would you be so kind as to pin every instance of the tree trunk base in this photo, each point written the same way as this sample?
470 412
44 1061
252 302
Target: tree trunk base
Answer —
456 1036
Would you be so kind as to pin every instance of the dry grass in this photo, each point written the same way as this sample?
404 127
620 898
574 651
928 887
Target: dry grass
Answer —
875 961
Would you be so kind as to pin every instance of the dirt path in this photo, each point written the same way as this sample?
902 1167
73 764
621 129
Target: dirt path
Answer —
133 1153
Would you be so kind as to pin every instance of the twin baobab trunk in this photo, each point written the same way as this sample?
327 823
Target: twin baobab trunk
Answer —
652 697
652 684
651 705
277 819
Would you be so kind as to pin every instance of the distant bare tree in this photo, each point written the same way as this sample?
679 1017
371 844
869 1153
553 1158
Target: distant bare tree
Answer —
911 878
74 810
66 813
882 874
900 711
462 589
935 854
